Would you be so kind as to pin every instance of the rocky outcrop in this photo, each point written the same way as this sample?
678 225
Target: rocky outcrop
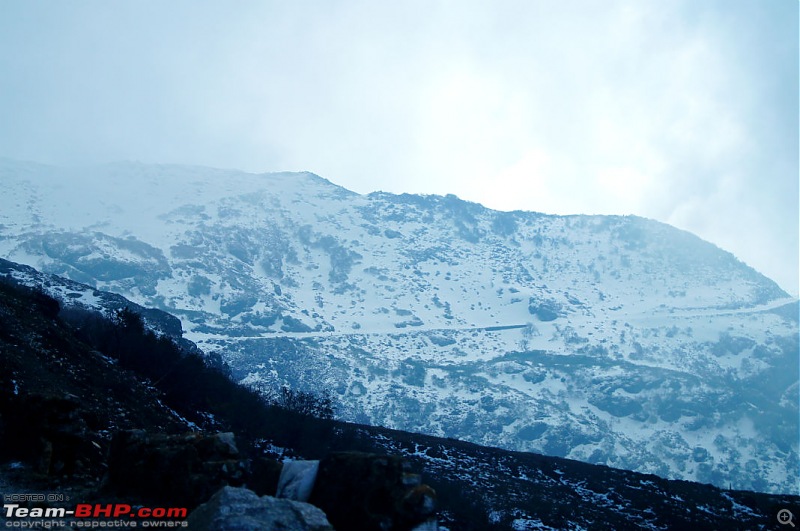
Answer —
184 469
372 492
48 432
238 509
356 490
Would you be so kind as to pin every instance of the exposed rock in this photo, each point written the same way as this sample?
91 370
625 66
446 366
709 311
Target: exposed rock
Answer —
49 432
255 235
263 476
183 469
372 492
238 509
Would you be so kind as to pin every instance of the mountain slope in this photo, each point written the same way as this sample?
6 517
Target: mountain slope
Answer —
478 488
614 340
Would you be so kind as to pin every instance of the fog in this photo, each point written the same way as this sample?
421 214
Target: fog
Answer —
681 111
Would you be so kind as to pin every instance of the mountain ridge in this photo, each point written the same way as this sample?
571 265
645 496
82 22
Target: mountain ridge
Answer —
611 339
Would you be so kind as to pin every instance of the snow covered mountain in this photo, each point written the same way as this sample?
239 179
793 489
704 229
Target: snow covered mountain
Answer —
614 340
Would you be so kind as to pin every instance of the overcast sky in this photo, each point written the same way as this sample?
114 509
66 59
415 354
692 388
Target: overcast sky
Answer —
681 111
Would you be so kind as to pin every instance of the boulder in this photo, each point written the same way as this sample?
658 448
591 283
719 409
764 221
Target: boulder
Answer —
183 469
263 475
372 492
239 509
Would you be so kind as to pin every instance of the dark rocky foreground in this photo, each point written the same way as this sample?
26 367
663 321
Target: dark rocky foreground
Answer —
103 411
355 490
242 510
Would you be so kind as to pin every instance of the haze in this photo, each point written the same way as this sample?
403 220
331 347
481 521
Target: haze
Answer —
681 111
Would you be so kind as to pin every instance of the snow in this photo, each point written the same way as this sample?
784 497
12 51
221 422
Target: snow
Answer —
651 318
739 509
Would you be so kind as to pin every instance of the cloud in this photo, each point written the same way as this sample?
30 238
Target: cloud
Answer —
681 111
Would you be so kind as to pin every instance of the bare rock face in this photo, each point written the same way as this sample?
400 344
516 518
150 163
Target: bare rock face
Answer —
238 509
372 492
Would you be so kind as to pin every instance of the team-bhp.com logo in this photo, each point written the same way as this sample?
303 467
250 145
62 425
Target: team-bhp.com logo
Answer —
92 516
